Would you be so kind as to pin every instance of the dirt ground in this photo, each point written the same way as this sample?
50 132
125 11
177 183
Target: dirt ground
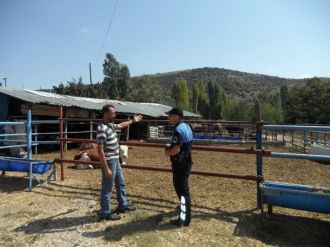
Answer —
63 213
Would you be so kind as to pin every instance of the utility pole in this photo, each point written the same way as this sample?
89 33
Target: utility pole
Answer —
90 74
5 79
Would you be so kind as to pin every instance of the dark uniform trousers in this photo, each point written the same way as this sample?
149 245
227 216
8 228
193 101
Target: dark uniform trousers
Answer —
181 167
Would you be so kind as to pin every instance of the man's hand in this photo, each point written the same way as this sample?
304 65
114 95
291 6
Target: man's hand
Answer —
173 151
103 162
107 173
138 118
167 149
167 152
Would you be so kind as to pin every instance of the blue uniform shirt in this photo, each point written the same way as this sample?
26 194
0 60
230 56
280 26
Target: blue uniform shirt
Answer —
182 136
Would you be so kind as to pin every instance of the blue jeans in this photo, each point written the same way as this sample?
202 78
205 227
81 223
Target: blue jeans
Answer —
107 183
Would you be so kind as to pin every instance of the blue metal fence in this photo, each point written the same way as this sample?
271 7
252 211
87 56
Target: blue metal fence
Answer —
325 129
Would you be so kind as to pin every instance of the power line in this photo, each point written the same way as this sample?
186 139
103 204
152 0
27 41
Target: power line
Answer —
108 29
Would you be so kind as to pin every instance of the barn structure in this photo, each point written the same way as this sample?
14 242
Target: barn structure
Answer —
45 106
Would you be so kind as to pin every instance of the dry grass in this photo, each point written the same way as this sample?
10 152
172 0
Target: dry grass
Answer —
63 212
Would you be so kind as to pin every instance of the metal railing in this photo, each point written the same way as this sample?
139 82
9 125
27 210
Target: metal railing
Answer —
258 150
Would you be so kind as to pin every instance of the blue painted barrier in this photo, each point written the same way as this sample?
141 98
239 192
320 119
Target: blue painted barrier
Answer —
301 156
29 166
296 196
197 137
297 127
23 165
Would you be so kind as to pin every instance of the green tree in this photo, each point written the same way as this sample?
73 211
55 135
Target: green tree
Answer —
212 99
73 87
203 103
123 81
271 110
217 99
116 77
309 103
143 89
284 96
180 94
194 100
60 89
238 110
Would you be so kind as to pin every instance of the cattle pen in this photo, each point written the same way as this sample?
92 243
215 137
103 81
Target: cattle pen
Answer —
258 150
230 199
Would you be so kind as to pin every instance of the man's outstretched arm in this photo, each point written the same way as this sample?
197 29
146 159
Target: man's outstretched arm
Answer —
125 124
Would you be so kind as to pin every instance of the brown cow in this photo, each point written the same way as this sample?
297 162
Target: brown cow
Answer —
89 153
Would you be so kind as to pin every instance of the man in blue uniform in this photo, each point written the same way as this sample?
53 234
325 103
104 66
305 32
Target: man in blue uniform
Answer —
180 154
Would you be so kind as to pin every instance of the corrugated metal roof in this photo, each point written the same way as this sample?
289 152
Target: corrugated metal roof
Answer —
38 97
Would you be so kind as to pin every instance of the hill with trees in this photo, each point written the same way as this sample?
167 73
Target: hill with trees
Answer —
215 93
243 85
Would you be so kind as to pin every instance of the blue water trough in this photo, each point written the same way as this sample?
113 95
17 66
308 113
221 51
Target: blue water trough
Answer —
296 196
29 166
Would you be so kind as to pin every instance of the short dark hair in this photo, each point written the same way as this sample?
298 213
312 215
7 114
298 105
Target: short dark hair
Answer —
106 108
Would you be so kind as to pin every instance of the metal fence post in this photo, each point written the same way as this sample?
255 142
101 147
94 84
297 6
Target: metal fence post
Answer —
29 143
258 146
36 138
29 133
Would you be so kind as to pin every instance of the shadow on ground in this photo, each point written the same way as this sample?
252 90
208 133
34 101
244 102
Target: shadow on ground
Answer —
280 230
56 223
284 230
9 184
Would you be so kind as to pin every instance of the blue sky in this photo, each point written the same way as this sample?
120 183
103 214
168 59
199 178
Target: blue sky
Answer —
44 42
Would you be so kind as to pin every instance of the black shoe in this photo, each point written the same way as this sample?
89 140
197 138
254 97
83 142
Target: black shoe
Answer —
176 222
179 223
109 217
128 208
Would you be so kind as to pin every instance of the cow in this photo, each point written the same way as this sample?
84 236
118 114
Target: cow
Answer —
89 153
19 152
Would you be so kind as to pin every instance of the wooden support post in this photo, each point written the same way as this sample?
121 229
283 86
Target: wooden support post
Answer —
61 142
65 131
